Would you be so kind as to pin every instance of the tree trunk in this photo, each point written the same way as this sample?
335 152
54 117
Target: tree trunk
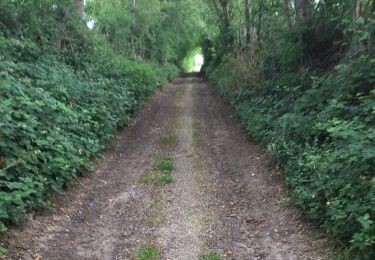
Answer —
259 26
247 23
134 6
372 37
133 36
226 23
303 9
225 7
75 9
287 10
239 36
357 9
361 7
223 11
79 7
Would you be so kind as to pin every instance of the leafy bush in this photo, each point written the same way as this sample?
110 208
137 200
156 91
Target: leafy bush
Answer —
320 130
54 117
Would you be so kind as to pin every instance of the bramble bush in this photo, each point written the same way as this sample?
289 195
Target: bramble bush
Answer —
59 106
320 131
65 88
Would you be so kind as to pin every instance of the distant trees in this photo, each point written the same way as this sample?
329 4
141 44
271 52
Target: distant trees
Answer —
149 29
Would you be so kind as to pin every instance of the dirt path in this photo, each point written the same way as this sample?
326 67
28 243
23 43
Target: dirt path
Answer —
179 236
224 198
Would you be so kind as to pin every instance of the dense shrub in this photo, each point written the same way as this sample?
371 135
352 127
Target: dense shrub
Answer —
320 129
65 89
54 117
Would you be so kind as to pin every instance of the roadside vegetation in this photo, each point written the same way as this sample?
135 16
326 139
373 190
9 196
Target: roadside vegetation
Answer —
70 75
301 76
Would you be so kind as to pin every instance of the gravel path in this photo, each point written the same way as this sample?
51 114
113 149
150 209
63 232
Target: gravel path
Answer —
225 198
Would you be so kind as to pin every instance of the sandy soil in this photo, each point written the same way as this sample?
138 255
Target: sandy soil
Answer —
225 197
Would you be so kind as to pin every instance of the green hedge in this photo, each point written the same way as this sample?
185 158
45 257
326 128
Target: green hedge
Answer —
55 117
320 129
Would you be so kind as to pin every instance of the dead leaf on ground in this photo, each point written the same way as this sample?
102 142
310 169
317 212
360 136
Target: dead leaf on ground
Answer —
228 253
250 219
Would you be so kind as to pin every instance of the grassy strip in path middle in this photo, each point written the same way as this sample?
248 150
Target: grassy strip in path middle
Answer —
163 167
210 256
148 253
163 163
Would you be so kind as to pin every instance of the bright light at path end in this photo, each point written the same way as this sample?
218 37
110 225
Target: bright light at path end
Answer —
91 24
198 62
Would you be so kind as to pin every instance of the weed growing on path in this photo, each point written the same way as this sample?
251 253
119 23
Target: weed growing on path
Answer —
148 253
181 92
163 167
156 177
3 250
210 256
166 140
163 163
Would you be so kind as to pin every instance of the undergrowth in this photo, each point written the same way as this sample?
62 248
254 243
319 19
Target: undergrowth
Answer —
62 99
319 127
